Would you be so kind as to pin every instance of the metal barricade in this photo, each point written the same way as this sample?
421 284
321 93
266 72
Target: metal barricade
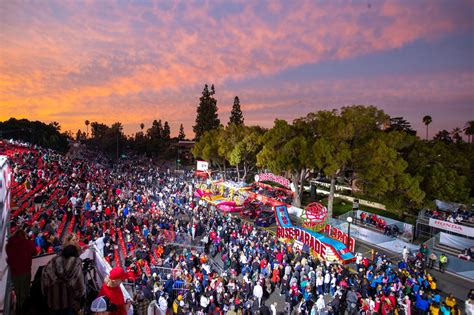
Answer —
163 272
179 288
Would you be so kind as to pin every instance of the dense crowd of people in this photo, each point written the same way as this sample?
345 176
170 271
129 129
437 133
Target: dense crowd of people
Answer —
458 216
135 212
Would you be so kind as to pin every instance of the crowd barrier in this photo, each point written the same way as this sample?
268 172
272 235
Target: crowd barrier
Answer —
455 265
454 241
366 235
406 229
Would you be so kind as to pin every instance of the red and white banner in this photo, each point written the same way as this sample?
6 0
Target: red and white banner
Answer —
452 227
303 236
339 235
202 166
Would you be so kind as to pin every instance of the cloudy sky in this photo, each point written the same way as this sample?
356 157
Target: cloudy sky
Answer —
135 61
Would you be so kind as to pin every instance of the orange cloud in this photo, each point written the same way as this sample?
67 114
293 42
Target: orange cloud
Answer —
109 62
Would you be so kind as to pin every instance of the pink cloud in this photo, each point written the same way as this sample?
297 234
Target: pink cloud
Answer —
73 56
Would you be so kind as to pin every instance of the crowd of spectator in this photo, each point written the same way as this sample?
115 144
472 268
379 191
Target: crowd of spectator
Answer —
458 216
134 212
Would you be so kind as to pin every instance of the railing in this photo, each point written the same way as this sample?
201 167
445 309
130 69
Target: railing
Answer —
455 265
163 272
405 229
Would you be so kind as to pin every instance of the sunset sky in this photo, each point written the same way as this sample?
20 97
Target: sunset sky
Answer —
135 61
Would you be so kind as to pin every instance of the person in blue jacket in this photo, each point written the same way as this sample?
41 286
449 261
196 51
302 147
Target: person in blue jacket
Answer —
422 304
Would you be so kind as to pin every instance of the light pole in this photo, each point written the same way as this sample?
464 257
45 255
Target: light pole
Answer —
349 221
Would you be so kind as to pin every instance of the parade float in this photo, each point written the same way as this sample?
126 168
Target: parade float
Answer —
227 196
320 245
315 234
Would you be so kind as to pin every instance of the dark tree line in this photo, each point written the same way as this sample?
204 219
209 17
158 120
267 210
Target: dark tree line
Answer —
35 132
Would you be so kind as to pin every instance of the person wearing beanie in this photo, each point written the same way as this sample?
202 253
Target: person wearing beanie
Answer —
111 289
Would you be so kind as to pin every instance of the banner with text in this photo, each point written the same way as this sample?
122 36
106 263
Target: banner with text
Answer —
339 235
452 227
202 166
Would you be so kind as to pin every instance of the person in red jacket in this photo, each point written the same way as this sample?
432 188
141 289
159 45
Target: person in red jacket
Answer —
111 289
20 251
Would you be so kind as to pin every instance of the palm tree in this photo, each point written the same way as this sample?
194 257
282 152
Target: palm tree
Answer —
142 125
87 128
456 134
469 130
427 120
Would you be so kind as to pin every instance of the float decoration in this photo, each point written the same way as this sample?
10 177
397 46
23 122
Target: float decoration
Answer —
314 217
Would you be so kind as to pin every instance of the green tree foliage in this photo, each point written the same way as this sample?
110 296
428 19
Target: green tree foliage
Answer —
456 135
382 173
287 150
80 136
236 116
352 144
166 132
331 148
207 148
154 135
443 136
427 120
139 142
469 130
364 120
110 140
99 131
35 132
443 167
206 118
376 166
228 139
401 124
245 152
181 135
239 145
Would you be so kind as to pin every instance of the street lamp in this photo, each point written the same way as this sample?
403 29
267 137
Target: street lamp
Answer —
349 221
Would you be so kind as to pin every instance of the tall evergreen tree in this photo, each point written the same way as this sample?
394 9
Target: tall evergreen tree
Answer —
181 135
166 131
400 124
155 131
206 118
236 116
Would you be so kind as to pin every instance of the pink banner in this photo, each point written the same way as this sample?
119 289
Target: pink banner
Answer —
270 177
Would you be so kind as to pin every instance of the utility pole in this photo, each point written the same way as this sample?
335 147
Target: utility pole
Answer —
118 131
